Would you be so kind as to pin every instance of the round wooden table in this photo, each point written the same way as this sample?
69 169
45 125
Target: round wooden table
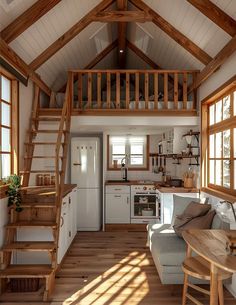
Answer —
211 245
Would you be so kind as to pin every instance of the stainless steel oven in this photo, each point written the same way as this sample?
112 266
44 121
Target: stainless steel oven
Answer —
145 204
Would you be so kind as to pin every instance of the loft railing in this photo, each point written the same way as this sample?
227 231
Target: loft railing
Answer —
133 90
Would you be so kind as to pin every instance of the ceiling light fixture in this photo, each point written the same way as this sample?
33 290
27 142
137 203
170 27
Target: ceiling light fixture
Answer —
121 51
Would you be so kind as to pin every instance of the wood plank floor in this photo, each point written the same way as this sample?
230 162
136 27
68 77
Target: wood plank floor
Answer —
112 268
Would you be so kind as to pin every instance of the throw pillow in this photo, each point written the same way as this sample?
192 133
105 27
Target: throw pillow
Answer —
201 223
195 209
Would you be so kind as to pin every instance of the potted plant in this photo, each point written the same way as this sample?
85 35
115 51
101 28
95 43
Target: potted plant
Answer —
13 192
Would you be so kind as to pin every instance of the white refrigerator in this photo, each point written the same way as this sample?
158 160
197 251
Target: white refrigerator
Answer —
85 172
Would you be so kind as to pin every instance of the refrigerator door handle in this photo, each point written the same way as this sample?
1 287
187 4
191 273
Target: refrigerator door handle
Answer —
77 164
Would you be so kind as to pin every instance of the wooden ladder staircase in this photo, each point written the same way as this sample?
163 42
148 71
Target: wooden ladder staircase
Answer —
41 205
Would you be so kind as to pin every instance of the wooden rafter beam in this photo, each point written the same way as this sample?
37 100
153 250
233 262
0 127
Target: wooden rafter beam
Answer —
142 55
95 61
20 65
213 12
122 5
25 20
69 35
216 62
181 39
122 16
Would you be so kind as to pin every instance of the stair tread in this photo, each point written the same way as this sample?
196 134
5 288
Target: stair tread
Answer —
39 171
43 143
47 119
42 224
47 131
30 246
26 271
42 157
37 205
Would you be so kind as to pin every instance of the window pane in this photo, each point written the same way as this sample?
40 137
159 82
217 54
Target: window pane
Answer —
137 160
218 144
226 107
226 143
218 170
5 165
226 173
212 146
118 158
212 171
6 89
118 149
212 114
5 140
5 114
136 149
218 111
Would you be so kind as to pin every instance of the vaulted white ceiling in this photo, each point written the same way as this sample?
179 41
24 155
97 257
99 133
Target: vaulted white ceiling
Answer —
147 36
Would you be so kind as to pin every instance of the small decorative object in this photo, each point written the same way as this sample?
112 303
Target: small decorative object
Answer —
188 179
143 200
13 192
147 212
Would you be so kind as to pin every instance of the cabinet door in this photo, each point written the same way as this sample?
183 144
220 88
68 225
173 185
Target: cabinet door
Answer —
74 208
117 208
61 241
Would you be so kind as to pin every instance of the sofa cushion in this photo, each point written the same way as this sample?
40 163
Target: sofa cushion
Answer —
180 204
171 250
218 223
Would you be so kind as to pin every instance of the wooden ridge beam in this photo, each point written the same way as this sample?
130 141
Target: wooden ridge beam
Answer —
69 35
216 62
213 12
19 64
181 39
122 30
27 18
122 16
95 61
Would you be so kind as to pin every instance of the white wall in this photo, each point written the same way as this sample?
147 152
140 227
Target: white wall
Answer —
25 107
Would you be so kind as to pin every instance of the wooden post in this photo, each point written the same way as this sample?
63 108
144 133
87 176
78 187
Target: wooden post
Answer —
89 89
108 90
117 90
166 90
214 285
99 76
136 90
146 90
194 91
176 90
80 91
127 90
156 90
185 77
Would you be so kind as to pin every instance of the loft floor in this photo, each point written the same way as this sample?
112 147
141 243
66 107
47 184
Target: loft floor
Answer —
111 268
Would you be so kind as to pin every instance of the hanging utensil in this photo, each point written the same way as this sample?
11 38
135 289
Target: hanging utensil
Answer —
153 164
160 167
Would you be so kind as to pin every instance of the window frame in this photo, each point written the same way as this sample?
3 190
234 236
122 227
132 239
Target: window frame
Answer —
227 88
14 125
131 168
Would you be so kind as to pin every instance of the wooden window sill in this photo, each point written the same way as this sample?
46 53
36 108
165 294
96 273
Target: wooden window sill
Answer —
3 190
219 194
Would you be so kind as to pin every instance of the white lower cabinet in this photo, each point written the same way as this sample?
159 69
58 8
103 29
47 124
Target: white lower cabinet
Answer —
117 204
167 203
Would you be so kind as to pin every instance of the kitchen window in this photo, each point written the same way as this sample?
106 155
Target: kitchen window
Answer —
219 142
135 148
8 125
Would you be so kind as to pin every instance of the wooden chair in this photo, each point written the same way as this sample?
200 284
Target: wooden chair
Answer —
199 268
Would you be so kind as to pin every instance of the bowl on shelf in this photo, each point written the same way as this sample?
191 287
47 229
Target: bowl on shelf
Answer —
147 212
143 200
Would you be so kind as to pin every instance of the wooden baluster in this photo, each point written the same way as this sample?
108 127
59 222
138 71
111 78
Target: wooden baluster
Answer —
127 90
108 90
80 93
185 76
118 90
194 106
156 90
89 89
146 90
165 90
99 76
136 90
176 91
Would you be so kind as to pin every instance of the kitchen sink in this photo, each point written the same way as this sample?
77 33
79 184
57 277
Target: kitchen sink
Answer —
119 181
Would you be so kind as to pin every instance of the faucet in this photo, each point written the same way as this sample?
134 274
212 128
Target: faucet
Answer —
124 168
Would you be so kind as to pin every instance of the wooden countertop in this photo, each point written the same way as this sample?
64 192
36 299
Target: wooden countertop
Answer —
162 189
211 245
